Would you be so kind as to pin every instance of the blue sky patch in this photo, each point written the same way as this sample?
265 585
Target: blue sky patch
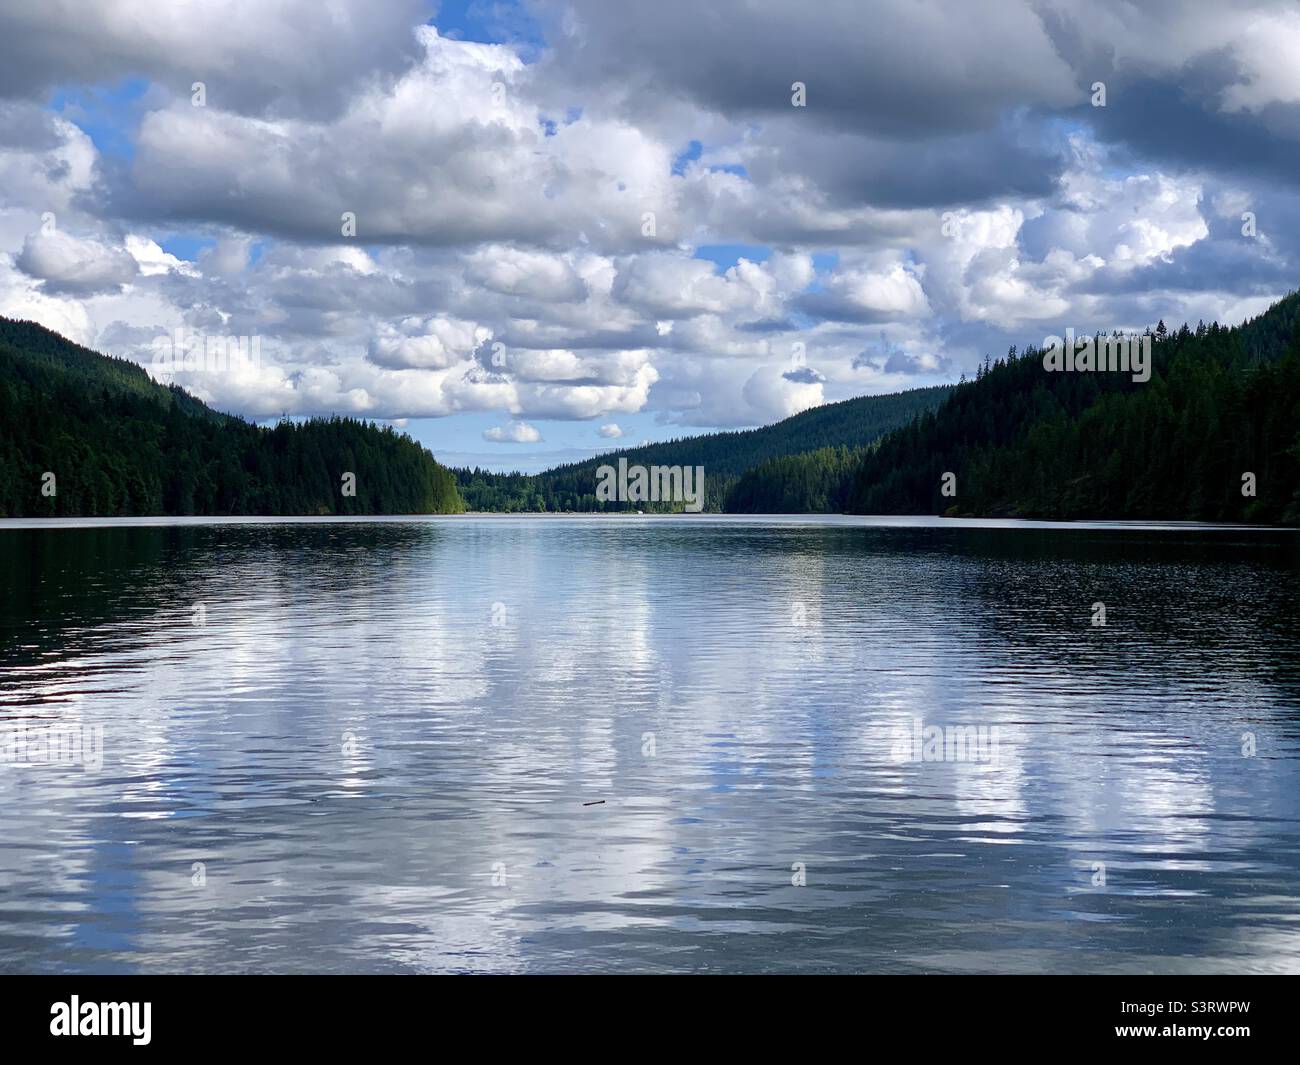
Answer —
107 114
727 255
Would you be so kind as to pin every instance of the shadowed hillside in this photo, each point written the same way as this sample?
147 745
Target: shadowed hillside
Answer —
1222 403
119 444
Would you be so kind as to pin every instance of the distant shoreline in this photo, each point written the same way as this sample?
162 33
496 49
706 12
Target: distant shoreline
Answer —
876 521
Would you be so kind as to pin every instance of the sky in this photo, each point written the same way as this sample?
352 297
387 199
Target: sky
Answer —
527 232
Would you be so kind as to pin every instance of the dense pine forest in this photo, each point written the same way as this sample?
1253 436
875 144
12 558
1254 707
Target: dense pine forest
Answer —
118 444
1221 404
816 482
849 425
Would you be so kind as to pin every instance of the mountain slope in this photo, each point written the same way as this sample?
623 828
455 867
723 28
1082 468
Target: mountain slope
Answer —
117 443
851 423
815 482
1022 441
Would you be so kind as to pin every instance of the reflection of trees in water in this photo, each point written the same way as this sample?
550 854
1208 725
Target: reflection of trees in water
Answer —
1221 597
59 585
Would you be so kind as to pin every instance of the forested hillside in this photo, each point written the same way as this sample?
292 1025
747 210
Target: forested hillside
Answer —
117 443
850 424
817 482
1221 404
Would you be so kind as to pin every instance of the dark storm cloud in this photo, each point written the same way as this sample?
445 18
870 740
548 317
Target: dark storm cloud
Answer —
836 307
26 127
899 68
948 169
1229 264
298 57
1181 125
906 105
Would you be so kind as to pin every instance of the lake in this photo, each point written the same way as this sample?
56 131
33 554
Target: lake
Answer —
621 744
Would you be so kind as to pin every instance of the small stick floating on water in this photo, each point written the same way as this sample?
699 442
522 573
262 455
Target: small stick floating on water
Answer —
598 802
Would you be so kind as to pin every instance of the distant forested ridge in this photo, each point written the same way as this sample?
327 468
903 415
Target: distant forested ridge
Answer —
1222 403
850 425
119 444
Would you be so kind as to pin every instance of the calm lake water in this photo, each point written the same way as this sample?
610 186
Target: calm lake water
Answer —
371 746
